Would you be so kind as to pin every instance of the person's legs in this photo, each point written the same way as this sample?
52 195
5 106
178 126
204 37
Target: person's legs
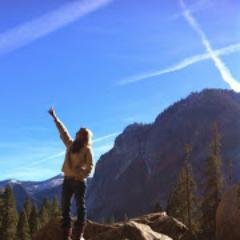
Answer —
79 190
67 192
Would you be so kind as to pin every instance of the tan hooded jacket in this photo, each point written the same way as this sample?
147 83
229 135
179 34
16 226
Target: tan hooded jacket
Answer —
77 165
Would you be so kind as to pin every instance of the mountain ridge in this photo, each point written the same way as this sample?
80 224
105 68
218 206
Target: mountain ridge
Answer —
144 162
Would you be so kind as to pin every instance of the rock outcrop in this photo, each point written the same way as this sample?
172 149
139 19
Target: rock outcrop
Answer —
228 215
132 231
157 226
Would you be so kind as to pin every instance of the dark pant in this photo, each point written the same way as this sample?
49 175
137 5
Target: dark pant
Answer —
72 187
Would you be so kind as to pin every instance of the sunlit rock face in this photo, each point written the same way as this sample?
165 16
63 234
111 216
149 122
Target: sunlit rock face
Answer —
228 215
157 226
143 164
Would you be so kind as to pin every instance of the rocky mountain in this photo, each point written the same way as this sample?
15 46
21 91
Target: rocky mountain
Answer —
143 164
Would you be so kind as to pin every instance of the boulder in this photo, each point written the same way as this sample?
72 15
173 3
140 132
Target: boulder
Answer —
156 226
162 223
132 231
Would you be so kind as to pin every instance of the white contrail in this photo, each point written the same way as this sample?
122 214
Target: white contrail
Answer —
54 156
45 159
222 68
181 65
195 7
106 137
26 33
60 154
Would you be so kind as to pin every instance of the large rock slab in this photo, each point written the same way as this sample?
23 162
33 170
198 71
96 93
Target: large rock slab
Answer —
132 231
228 215
157 226
162 223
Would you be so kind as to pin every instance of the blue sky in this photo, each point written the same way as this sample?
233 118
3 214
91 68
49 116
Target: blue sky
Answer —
103 64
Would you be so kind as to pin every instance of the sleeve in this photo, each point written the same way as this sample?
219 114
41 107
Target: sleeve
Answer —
64 134
87 167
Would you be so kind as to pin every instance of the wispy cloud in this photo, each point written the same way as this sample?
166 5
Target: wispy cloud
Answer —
28 32
221 67
181 65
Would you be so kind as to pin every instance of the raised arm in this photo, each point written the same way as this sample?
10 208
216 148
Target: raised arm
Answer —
64 134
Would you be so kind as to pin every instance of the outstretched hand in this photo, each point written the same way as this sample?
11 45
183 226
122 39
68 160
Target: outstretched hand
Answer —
51 111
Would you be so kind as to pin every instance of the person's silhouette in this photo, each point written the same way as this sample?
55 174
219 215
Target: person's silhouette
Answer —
76 168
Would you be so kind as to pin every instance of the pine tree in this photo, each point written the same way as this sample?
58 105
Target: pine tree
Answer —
34 224
182 202
174 199
229 173
212 187
10 216
157 207
47 204
1 212
23 230
103 220
126 217
190 189
27 206
44 214
54 208
238 196
112 219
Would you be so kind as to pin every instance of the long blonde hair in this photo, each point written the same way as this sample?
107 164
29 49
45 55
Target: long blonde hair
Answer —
87 136
86 140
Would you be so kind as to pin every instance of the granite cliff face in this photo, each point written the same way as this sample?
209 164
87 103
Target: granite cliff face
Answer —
140 169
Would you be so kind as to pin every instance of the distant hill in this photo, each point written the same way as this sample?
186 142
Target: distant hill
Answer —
34 190
144 162
37 191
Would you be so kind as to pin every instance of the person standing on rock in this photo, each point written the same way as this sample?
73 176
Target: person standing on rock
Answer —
77 167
